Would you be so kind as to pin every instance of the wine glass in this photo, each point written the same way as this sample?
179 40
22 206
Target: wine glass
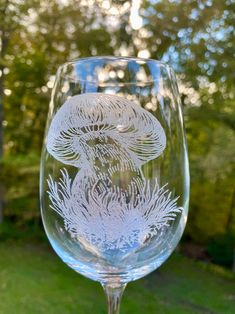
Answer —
114 183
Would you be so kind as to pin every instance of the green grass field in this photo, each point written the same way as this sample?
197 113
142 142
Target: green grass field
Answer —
33 280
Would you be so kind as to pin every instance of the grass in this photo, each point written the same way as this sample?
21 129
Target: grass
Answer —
34 281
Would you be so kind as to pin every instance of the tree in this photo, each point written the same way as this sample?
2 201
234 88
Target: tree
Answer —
55 33
195 37
12 16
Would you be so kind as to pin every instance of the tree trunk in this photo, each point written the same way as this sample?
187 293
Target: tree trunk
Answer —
6 29
234 260
1 137
1 110
230 223
3 50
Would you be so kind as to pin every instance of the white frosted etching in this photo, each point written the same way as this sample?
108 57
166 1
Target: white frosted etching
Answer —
107 218
105 136
100 126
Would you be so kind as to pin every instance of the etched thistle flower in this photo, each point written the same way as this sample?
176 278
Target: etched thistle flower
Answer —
107 218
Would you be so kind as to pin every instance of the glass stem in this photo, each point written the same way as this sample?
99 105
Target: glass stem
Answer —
114 294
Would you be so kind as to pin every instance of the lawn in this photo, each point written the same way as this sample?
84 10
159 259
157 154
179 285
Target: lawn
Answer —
33 280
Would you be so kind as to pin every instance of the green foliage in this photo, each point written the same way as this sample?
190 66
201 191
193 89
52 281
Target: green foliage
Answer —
29 231
222 250
195 37
20 175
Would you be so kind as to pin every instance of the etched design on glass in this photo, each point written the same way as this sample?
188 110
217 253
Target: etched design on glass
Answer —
103 135
100 126
110 218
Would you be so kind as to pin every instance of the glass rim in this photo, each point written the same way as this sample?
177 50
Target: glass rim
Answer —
116 58
125 59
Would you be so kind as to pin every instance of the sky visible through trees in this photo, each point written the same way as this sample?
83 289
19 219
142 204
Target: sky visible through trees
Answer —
195 37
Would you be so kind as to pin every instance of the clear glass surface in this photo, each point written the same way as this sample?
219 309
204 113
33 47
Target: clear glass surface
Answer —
114 182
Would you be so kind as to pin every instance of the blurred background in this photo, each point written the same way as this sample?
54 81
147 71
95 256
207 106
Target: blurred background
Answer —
197 38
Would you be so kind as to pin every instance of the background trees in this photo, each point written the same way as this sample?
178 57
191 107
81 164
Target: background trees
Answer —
195 37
